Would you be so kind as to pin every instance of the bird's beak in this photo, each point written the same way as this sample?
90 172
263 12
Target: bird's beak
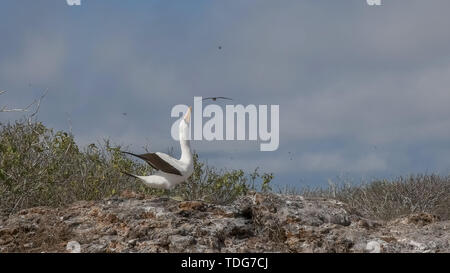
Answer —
187 117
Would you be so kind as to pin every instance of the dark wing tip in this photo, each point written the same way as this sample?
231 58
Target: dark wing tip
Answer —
129 174
157 162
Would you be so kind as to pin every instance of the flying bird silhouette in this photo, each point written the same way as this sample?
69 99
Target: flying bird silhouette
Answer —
216 98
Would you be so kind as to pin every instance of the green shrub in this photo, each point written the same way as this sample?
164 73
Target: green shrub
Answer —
221 186
41 167
384 199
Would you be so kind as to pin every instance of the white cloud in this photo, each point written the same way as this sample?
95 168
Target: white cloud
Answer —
38 60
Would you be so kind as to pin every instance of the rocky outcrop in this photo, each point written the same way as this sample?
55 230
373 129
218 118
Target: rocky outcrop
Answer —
253 223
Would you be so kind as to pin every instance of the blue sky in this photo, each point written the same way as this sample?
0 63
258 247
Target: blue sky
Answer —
363 91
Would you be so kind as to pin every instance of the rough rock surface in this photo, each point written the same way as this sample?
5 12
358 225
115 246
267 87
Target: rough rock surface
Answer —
253 223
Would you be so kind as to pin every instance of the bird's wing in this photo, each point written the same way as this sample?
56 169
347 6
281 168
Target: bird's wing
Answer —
215 98
172 161
157 162
224 98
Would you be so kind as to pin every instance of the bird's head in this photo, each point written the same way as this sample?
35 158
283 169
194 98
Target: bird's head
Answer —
184 125
187 116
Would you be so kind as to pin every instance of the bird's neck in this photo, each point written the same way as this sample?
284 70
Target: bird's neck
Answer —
186 154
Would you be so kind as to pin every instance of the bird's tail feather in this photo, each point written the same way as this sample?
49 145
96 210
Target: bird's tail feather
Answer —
129 174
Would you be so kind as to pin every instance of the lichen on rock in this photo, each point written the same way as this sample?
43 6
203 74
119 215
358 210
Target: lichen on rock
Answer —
253 223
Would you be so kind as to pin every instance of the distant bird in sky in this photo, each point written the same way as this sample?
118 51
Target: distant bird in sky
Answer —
216 98
170 171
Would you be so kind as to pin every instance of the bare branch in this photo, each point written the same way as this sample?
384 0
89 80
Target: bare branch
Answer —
38 101
5 109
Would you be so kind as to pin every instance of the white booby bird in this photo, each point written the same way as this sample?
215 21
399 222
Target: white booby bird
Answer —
170 171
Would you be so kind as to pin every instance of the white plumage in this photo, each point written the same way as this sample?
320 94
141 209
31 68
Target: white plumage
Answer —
170 171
